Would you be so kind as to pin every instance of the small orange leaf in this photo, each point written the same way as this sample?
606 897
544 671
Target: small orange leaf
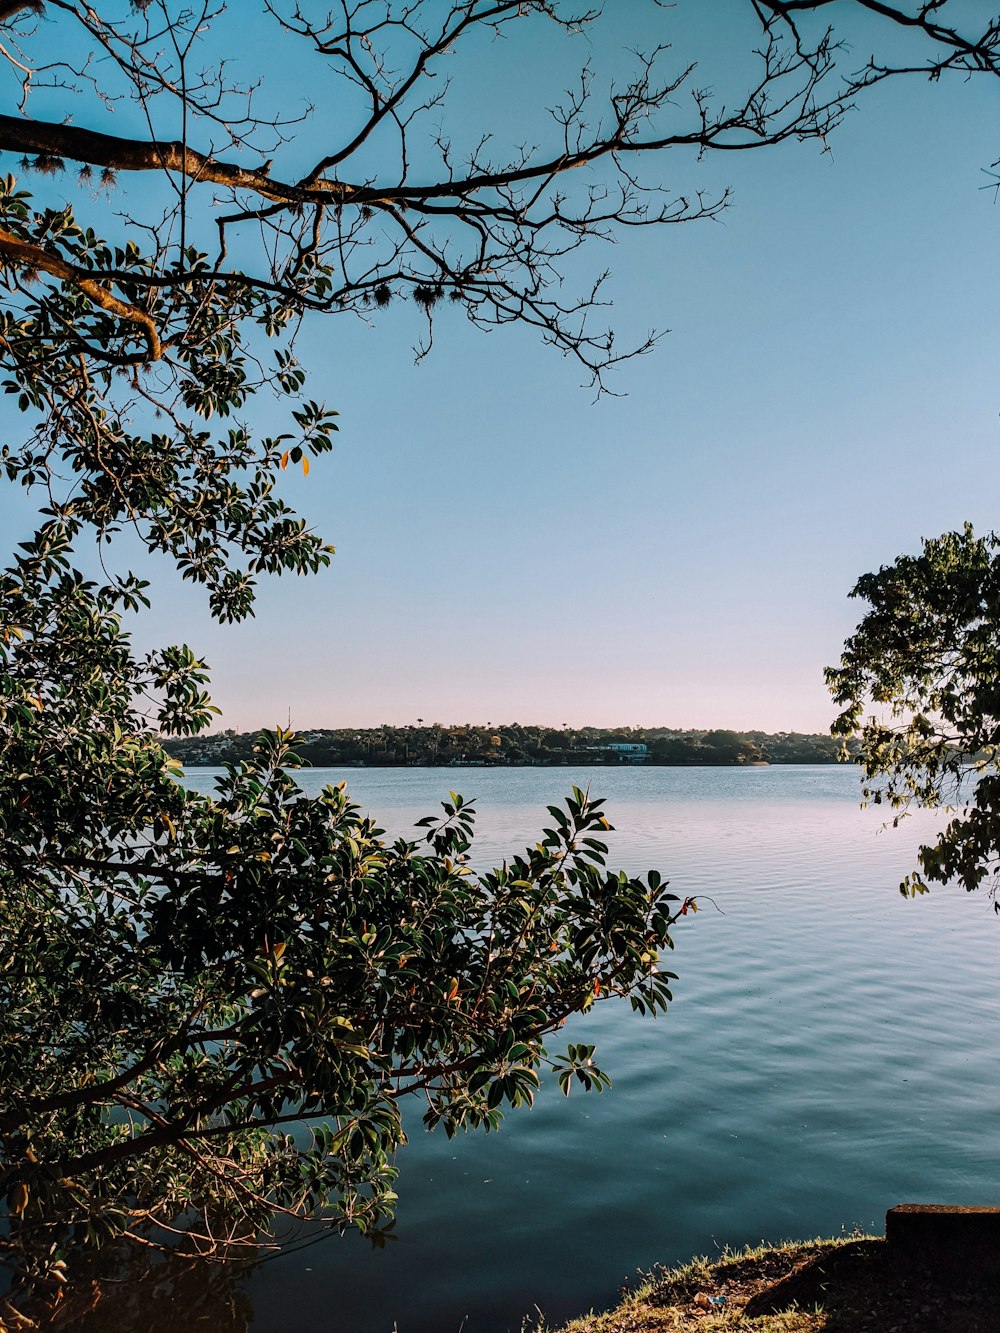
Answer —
305 467
452 989
597 985
284 460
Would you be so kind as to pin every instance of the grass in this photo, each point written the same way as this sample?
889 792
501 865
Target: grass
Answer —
817 1286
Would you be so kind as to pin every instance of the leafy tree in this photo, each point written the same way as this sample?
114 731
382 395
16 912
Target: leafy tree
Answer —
211 1008
729 747
926 658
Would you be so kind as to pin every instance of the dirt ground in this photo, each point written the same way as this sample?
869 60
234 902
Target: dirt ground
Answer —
818 1287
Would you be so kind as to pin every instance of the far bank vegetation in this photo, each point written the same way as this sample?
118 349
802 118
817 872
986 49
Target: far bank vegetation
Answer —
513 744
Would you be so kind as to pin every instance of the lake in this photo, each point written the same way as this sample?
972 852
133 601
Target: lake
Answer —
828 1054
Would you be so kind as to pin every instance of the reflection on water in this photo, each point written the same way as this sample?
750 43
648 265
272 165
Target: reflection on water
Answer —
827 1056
132 1293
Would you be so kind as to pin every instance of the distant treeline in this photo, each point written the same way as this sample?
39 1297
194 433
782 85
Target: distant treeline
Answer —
511 744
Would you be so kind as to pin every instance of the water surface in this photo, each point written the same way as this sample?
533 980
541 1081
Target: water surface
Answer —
828 1054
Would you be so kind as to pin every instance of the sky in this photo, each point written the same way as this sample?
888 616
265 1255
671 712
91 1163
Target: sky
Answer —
825 395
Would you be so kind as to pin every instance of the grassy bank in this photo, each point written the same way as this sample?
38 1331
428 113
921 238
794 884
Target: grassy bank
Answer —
819 1286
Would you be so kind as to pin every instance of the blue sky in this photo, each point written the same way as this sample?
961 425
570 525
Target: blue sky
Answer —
508 549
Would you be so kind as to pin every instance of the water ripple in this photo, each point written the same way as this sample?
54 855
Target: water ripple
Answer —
826 1057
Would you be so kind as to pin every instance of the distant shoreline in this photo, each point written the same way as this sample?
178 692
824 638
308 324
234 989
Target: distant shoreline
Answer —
516 745
562 763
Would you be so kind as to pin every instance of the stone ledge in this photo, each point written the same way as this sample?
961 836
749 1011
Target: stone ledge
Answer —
931 1237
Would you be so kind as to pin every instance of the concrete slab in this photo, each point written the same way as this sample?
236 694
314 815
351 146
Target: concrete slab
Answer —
930 1237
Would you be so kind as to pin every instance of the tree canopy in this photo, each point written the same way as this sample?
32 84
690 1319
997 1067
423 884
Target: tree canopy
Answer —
212 1007
516 743
926 660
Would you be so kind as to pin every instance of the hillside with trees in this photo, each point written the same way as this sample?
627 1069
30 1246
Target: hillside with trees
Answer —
471 745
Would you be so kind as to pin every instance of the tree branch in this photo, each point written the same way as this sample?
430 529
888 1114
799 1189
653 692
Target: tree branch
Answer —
26 255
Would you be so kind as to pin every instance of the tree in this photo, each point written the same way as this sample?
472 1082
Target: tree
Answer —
927 658
729 747
211 1008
